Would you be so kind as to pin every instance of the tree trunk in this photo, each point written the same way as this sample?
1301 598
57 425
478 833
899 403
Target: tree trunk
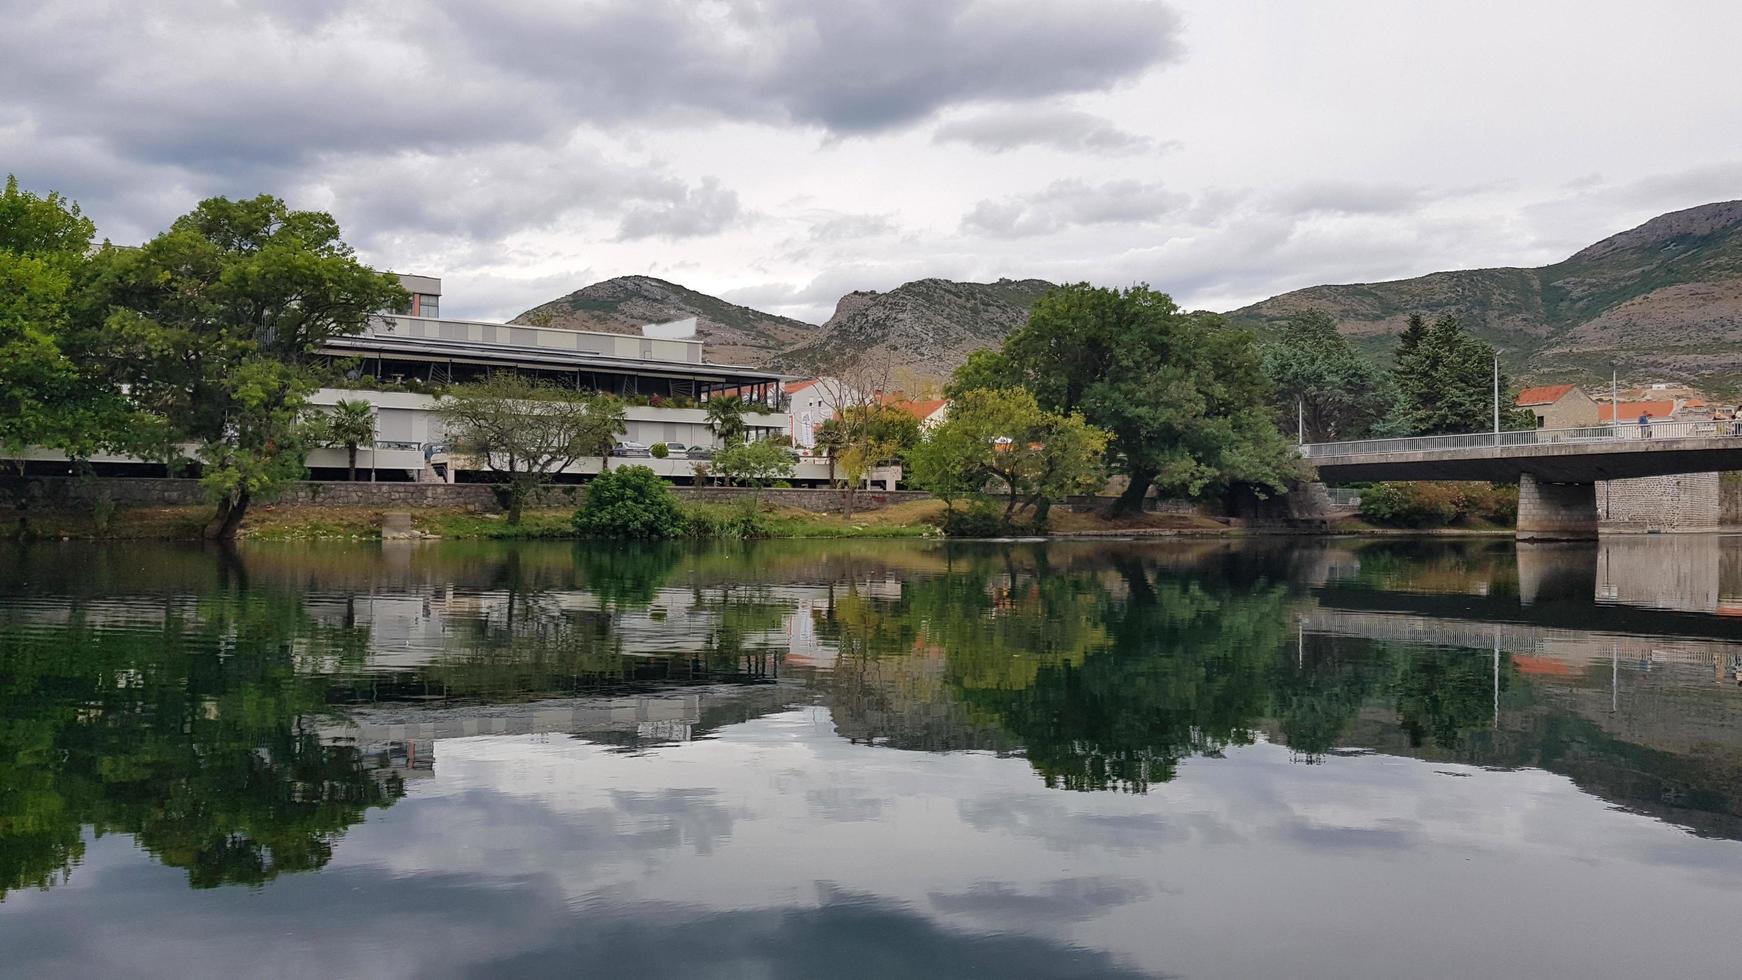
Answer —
1131 501
516 503
231 510
847 502
352 476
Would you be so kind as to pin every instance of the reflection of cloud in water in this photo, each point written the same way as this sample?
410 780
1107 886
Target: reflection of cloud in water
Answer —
1067 898
357 923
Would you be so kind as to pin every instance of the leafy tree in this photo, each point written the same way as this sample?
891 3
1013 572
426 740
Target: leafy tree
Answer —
607 419
211 330
726 418
629 502
1181 395
525 431
1315 371
1445 381
351 424
758 464
46 399
1003 438
859 438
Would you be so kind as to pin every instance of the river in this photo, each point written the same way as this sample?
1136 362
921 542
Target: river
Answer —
1329 758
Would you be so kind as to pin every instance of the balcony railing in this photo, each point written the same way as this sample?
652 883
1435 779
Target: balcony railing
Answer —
1624 432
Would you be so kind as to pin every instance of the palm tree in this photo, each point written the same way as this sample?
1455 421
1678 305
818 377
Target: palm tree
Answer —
726 418
351 424
605 422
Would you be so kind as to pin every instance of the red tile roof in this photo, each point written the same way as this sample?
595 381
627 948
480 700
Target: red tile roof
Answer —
1547 395
1632 410
921 410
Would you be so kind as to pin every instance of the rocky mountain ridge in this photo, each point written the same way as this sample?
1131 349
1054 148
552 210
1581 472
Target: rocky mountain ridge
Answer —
1660 302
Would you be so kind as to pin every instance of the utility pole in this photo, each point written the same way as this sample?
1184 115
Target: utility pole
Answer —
1300 421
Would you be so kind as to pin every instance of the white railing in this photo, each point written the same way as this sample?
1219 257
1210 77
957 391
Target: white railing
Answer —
1626 431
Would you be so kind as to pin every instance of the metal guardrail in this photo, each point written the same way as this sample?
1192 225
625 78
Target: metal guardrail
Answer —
1624 432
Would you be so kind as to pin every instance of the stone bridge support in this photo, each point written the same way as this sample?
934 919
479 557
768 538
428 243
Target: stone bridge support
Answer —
1556 511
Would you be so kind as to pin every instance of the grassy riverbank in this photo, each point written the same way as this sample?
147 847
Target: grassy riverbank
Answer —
292 522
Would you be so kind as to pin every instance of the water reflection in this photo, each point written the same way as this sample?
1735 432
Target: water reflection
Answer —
237 715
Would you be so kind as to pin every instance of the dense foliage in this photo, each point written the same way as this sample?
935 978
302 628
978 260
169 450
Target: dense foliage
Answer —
1322 384
1445 381
1000 441
526 431
756 464
1181 395
629 502
1424 504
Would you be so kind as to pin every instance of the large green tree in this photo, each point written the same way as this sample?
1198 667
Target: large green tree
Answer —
1320 381
1003 440
1445 381
46 398
211 329
1182 395
527 431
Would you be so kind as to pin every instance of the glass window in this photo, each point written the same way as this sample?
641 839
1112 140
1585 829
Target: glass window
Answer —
428 305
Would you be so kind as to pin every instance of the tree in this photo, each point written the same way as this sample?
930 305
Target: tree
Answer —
350 424
46 399
1315 371
1181 395
758 464
211 330
1445 381
726 418
607 419
1002 436
523 430
862 437
630 502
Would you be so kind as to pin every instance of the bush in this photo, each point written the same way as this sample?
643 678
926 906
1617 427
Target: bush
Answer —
659 450
1423 504
980 519
743 522
629 502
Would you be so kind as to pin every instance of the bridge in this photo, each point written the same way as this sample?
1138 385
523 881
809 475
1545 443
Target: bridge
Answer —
1556 469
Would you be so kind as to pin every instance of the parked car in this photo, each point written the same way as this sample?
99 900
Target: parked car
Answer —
699 452
677 449
630 449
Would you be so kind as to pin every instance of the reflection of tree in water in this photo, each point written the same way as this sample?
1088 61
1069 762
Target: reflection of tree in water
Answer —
195 736
1106 679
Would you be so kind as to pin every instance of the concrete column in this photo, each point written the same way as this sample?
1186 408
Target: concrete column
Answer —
1556 511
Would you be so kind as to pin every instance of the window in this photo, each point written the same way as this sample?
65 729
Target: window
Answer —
428 305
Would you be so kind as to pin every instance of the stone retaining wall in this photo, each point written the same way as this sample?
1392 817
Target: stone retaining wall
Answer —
154 492
1682 502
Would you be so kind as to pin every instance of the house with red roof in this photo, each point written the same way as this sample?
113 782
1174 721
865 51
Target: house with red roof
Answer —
1559 406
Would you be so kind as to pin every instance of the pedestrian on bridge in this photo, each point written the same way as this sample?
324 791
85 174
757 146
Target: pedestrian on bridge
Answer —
1645 425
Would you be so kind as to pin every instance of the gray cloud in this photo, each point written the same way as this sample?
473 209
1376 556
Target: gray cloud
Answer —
1007 129
705 209
1067 898
848 66
1071 203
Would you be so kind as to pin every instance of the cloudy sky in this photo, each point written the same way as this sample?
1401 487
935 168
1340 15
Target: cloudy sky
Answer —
782 152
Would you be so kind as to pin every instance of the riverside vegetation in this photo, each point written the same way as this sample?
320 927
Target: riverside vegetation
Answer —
196 350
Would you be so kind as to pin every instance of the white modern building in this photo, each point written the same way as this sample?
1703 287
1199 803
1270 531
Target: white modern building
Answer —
401 359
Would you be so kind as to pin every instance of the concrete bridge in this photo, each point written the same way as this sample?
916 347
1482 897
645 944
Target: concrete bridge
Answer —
1556 469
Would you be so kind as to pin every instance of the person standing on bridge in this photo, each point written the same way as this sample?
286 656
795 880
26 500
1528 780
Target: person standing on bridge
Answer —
1645 425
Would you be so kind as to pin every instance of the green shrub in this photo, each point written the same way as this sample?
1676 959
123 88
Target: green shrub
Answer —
659 450
739 522
629 502
1426 504
980 519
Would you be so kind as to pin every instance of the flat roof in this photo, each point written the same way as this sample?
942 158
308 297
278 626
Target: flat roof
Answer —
427 348
528 326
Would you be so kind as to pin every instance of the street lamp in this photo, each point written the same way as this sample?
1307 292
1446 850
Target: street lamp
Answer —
1497 353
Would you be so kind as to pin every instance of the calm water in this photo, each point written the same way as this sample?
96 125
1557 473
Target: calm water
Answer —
1331 759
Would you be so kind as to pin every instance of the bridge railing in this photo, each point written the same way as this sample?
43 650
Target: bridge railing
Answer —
1691 429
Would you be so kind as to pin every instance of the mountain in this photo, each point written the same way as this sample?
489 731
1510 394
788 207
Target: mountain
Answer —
733 334
1660 302
920 329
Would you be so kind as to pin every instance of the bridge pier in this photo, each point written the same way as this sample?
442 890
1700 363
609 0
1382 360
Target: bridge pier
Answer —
1556 511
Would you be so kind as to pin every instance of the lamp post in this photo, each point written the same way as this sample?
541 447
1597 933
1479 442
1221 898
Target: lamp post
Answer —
1497 397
